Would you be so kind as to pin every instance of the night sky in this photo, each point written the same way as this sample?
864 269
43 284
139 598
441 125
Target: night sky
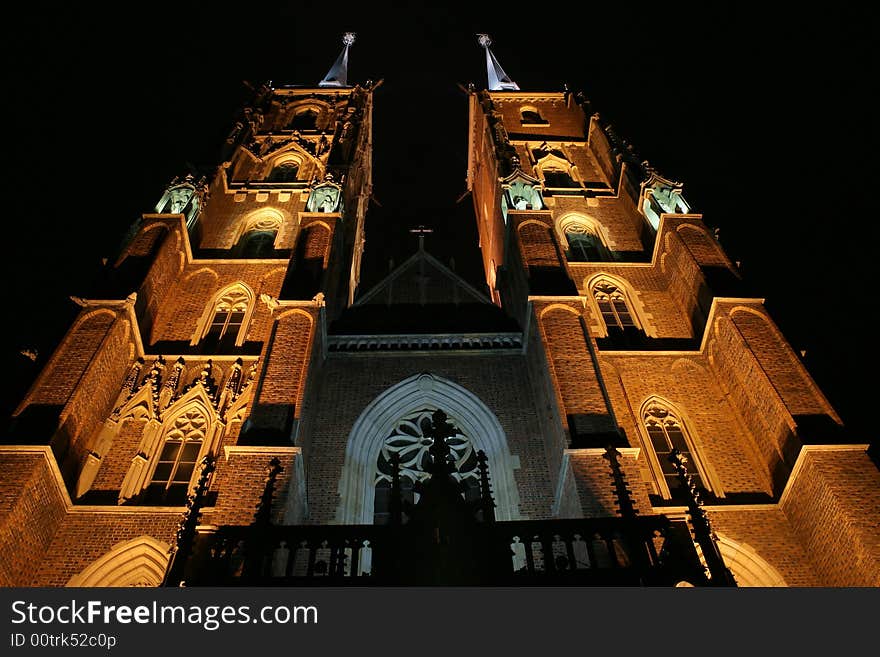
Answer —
765 118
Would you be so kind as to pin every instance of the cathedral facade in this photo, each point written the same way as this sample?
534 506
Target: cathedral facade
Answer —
610 407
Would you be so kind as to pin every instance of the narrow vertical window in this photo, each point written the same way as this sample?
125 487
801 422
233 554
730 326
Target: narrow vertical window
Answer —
228 317
583 244
257 244
667 432
285 172
305 120
613 305
178 459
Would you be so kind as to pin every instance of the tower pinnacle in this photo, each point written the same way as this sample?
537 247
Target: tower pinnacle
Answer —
498 79
337 76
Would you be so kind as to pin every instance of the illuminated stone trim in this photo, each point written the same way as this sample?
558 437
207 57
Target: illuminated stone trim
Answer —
641 318
139 562
707 474
748 567
204 323
425 342
578 220
267 219
423 391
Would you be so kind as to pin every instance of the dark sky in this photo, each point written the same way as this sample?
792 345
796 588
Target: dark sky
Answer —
765 118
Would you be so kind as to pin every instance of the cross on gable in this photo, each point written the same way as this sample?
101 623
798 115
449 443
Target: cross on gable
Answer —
421 230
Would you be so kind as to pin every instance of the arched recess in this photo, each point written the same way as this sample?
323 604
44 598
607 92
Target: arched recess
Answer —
267 220
423 391
138 562
574 224
233 304
656 413
748 567
602 290
779 363
284 168
536 244
190 430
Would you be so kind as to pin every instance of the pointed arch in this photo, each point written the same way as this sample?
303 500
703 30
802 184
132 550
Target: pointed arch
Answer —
139 562
531 115
423 391
557 172
664 426
167 461
284 168
584 238
264 222
748 567
306 116
616 304
186 438
227 315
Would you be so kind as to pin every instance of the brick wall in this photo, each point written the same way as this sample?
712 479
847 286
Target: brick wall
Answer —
240 479
94 533
769 534
571 363
62 373
724 443
750 393
349 383
285 364
834 508
537 244
31 509
222 220
595 485
543 390
187 298
117 461
779 363
618 216
564 119
93 398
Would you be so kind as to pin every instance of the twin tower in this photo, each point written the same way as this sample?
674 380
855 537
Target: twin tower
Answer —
233 382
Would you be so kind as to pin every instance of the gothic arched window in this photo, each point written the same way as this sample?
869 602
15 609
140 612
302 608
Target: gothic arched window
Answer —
257 244
305 120
666 431
584 245
558 179
286 171
229 313
176 463
409 442
613 305
531 115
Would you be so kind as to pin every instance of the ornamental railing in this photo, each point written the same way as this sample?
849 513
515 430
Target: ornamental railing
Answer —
643 551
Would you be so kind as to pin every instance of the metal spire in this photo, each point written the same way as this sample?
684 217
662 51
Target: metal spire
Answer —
338 74
498 79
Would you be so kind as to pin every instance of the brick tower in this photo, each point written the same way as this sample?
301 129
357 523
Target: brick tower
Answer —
611 407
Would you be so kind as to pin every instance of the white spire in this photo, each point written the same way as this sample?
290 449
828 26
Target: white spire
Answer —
338 74
498 79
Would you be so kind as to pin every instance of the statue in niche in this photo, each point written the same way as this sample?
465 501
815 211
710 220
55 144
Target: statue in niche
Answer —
524 196
324 197
179 199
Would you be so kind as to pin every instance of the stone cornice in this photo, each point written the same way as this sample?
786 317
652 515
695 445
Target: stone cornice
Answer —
433 343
